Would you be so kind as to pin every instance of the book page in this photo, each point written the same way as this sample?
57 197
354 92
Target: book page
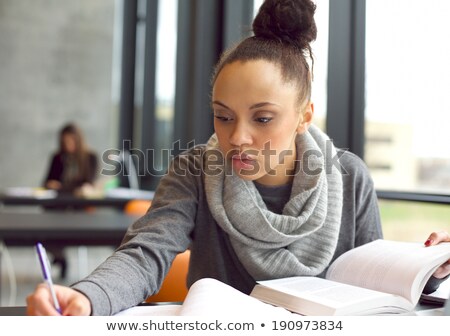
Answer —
210 297
317 296
151 310
400 268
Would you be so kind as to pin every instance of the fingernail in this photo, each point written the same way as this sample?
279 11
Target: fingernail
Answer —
428 242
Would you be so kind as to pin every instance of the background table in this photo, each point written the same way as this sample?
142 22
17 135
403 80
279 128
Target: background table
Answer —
116 198
64 201
64 228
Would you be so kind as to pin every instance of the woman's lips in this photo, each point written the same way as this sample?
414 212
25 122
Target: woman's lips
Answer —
242 161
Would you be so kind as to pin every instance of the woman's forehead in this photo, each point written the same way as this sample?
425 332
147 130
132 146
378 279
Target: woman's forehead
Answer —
257 77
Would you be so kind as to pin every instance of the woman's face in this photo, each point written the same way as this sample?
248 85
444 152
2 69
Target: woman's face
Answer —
256 119
69 143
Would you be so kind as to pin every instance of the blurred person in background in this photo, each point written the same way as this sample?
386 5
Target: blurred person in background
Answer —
72 170
74 166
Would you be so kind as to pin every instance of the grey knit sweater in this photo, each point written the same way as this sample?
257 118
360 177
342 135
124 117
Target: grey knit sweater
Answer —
180 219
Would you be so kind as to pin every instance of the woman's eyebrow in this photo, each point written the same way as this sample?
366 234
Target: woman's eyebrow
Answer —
257 105
262 104
220 104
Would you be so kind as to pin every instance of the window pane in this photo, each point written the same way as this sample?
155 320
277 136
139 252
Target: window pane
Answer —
320 51
165 80
411 221
408 81
57 66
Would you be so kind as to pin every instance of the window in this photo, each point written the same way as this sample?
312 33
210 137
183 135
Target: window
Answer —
406 117
165 80
407 107
412 221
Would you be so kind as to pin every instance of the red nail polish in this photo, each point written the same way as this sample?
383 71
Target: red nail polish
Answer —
428 242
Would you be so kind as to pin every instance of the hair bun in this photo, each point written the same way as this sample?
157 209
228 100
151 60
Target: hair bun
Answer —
290 21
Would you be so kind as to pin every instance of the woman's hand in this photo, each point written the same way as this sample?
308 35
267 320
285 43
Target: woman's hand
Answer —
436 238
53 185
72 302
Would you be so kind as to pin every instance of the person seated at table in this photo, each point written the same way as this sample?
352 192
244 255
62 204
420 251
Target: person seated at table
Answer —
74 166
73 170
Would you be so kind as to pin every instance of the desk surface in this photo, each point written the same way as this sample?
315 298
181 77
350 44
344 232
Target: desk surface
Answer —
21 310
115 198
64 201
13 311
64 228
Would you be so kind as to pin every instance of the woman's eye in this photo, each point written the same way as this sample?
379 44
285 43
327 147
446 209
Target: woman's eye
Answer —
263 120
221 118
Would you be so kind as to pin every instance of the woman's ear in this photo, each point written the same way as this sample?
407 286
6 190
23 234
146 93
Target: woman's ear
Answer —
306 119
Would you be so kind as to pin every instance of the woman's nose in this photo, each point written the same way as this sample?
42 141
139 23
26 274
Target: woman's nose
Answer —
240 136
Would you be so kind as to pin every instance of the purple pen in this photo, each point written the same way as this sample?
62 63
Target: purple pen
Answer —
46 274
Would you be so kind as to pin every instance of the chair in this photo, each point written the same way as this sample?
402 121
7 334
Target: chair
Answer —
137 207
173 288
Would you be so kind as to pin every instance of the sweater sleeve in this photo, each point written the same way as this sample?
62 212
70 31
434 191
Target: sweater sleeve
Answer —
93 168
361 217
138 267
433 284
54 170
368 219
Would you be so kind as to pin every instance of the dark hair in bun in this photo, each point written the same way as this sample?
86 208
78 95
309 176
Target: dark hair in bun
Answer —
283 32
289 21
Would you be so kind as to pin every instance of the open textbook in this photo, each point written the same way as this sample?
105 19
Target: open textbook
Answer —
210 297
381 277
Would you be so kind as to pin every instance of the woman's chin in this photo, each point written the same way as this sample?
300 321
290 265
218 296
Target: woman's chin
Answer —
248 175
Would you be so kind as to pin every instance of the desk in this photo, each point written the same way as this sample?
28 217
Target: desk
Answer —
22 310
64 228
65 201
13 311
420 310
118 198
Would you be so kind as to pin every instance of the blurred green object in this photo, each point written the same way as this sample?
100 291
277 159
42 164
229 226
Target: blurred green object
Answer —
111 183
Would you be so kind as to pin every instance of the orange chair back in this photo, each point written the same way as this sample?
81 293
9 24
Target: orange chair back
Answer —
174 288
137 207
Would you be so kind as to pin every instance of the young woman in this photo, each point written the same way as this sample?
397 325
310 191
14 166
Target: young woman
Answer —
73 169
268 196
74 165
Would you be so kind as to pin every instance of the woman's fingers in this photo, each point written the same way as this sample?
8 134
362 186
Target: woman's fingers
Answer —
72 302
437 237
76 304
40 302
442 271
